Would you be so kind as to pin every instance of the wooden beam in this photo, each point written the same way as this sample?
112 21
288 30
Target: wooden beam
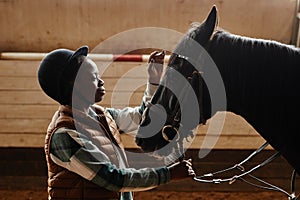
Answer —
28 56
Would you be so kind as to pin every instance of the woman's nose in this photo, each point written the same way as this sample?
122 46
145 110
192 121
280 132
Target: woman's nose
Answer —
100 82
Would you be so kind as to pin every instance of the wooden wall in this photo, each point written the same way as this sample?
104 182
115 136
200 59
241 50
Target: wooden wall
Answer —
26 111
40 26
43 25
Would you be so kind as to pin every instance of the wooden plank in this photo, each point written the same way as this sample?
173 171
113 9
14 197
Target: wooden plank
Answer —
19 122
25 97
33 136
123 99
227 123
111 84
222 142
23 125
119 69
24 182
93 56
22 154
32 140
38 97
227 142
125 84
21 111
22 168
27 111
19 83
12 68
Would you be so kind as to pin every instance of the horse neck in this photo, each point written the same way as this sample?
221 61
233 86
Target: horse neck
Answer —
250 68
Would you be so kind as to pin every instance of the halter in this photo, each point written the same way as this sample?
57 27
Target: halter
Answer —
172 129
175 116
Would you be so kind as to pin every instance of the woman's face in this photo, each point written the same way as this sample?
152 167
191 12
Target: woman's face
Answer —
88 84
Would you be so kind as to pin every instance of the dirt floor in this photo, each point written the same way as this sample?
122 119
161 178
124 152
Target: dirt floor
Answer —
157 195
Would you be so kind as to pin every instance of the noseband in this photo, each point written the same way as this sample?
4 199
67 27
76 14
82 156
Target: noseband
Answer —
170 130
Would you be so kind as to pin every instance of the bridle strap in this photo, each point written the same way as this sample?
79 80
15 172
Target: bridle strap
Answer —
208 178
236 166
200 95
175 116
196 82
175 124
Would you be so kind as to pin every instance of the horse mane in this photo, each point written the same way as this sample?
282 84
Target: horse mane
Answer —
236 45
254 69
254 60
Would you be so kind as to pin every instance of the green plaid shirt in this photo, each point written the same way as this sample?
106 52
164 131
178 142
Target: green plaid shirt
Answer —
75 152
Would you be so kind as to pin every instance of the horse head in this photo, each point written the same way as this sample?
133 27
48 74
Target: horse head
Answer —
176 108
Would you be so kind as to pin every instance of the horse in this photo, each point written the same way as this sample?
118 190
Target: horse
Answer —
260 79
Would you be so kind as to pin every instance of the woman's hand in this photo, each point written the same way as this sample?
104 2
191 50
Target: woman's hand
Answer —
155 66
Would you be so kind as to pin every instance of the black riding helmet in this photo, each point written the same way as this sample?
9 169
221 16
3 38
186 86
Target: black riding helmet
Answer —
54 68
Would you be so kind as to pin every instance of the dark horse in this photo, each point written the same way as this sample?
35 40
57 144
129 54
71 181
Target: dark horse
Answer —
260 78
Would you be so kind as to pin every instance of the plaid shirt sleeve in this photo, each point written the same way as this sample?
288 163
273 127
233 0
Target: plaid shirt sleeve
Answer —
75 152
129 118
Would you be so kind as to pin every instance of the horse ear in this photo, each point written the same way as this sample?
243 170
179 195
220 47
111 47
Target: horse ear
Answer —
203 32
211 21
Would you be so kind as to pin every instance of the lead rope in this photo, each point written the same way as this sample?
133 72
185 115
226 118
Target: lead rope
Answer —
239 166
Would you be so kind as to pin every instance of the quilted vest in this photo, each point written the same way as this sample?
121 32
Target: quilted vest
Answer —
64 184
